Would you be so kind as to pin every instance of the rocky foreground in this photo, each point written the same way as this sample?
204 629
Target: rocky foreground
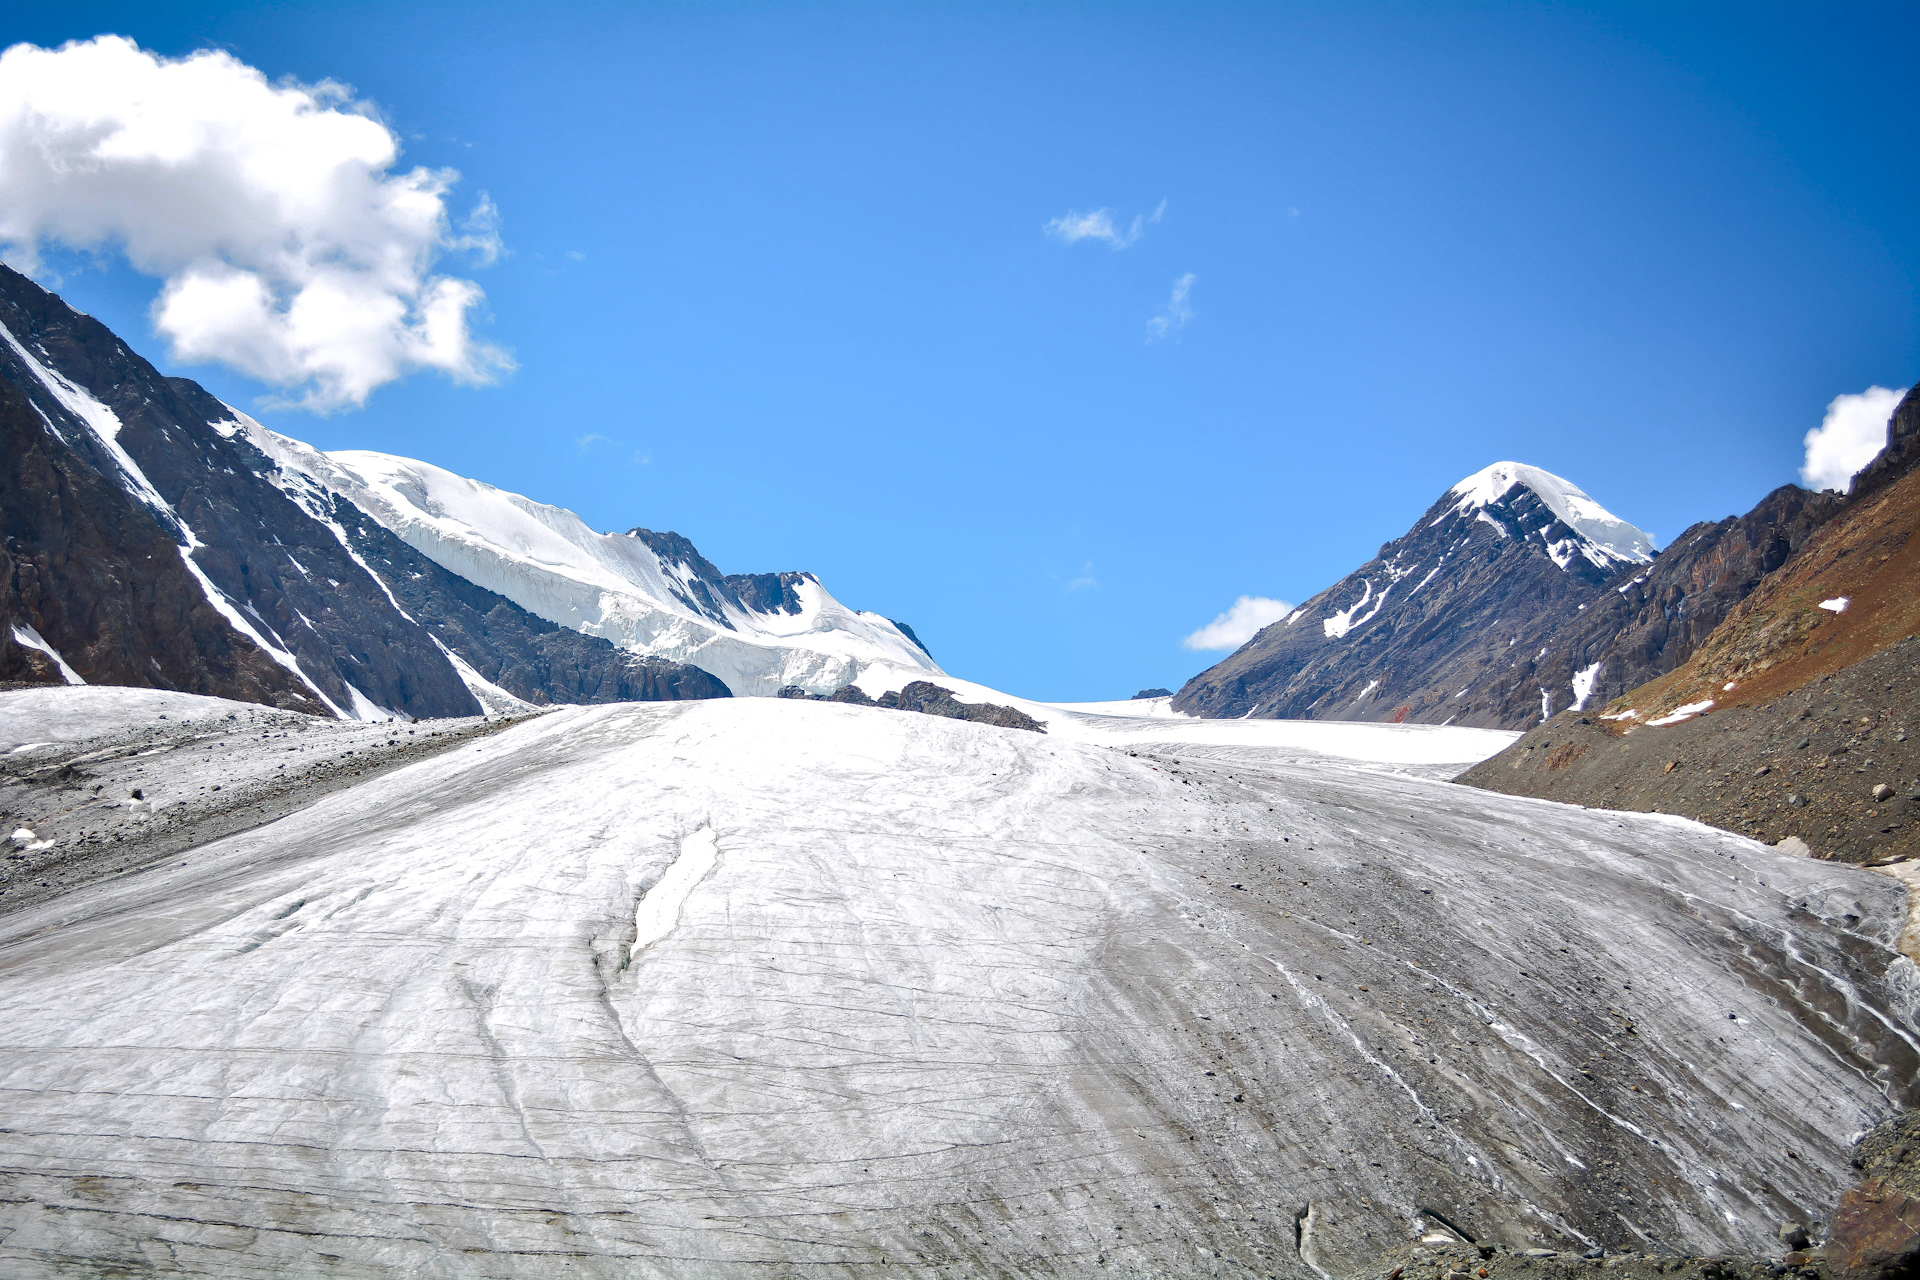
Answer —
1875 1235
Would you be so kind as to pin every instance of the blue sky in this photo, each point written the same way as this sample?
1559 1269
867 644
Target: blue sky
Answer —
784 270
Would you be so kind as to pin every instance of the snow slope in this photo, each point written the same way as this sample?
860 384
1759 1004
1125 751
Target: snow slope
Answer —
551 563
931 998
1612 540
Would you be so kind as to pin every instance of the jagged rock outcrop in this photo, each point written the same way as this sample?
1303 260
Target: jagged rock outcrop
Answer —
926 698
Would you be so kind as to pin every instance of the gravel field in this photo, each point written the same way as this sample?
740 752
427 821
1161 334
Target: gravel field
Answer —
96 783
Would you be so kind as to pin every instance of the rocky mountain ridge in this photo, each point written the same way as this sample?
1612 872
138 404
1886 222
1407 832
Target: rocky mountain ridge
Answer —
1527 614
156 537
1793 719
1431 628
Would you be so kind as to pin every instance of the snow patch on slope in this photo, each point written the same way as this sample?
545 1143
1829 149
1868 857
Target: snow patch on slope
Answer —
1583 681
31 639
1345 620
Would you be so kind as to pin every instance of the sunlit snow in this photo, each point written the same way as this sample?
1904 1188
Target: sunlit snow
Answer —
1613 538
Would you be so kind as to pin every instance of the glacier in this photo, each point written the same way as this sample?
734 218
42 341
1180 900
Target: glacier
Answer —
936 998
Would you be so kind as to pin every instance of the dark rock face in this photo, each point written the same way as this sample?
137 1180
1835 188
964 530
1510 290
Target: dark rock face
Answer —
1423 632
1901 453
926 698
1502 636
90 568
292 579
711 591
1648 622
1153 693
907 631
97 569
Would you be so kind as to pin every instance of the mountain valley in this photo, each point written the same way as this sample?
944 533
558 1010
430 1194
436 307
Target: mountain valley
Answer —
410 879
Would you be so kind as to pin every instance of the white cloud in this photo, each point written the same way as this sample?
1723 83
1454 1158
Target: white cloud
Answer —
1854 430
1178 311
1099 225
1085 582
289 247
1239 624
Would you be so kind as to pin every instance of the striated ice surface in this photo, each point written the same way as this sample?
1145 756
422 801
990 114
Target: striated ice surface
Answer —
931 998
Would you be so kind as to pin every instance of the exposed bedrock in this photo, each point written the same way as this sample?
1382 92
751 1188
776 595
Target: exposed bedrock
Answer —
944 1000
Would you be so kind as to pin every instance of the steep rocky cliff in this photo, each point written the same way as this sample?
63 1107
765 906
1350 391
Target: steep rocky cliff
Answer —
94 588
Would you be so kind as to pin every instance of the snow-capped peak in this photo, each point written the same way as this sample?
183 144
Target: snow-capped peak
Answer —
647 593
1608 533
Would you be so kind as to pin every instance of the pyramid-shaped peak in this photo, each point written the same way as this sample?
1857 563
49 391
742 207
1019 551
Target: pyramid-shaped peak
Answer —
1567 500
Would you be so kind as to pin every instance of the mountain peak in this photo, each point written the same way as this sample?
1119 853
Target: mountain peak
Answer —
1609 534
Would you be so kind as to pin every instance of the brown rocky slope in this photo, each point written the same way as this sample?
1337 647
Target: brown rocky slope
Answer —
1795 717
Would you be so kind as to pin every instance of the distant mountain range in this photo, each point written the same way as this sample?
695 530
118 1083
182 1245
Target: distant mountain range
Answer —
1514 596
154 536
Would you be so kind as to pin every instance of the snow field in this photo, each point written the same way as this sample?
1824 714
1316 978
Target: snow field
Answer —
61 713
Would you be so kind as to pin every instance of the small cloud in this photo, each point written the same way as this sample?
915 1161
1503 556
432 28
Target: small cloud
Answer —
1854 430
480 233
640 458
1292 212
1085 582
1239 624
1070 228
576 256
589 441
1178 311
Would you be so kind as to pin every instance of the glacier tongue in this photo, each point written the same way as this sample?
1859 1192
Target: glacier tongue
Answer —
952 1000
551 563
